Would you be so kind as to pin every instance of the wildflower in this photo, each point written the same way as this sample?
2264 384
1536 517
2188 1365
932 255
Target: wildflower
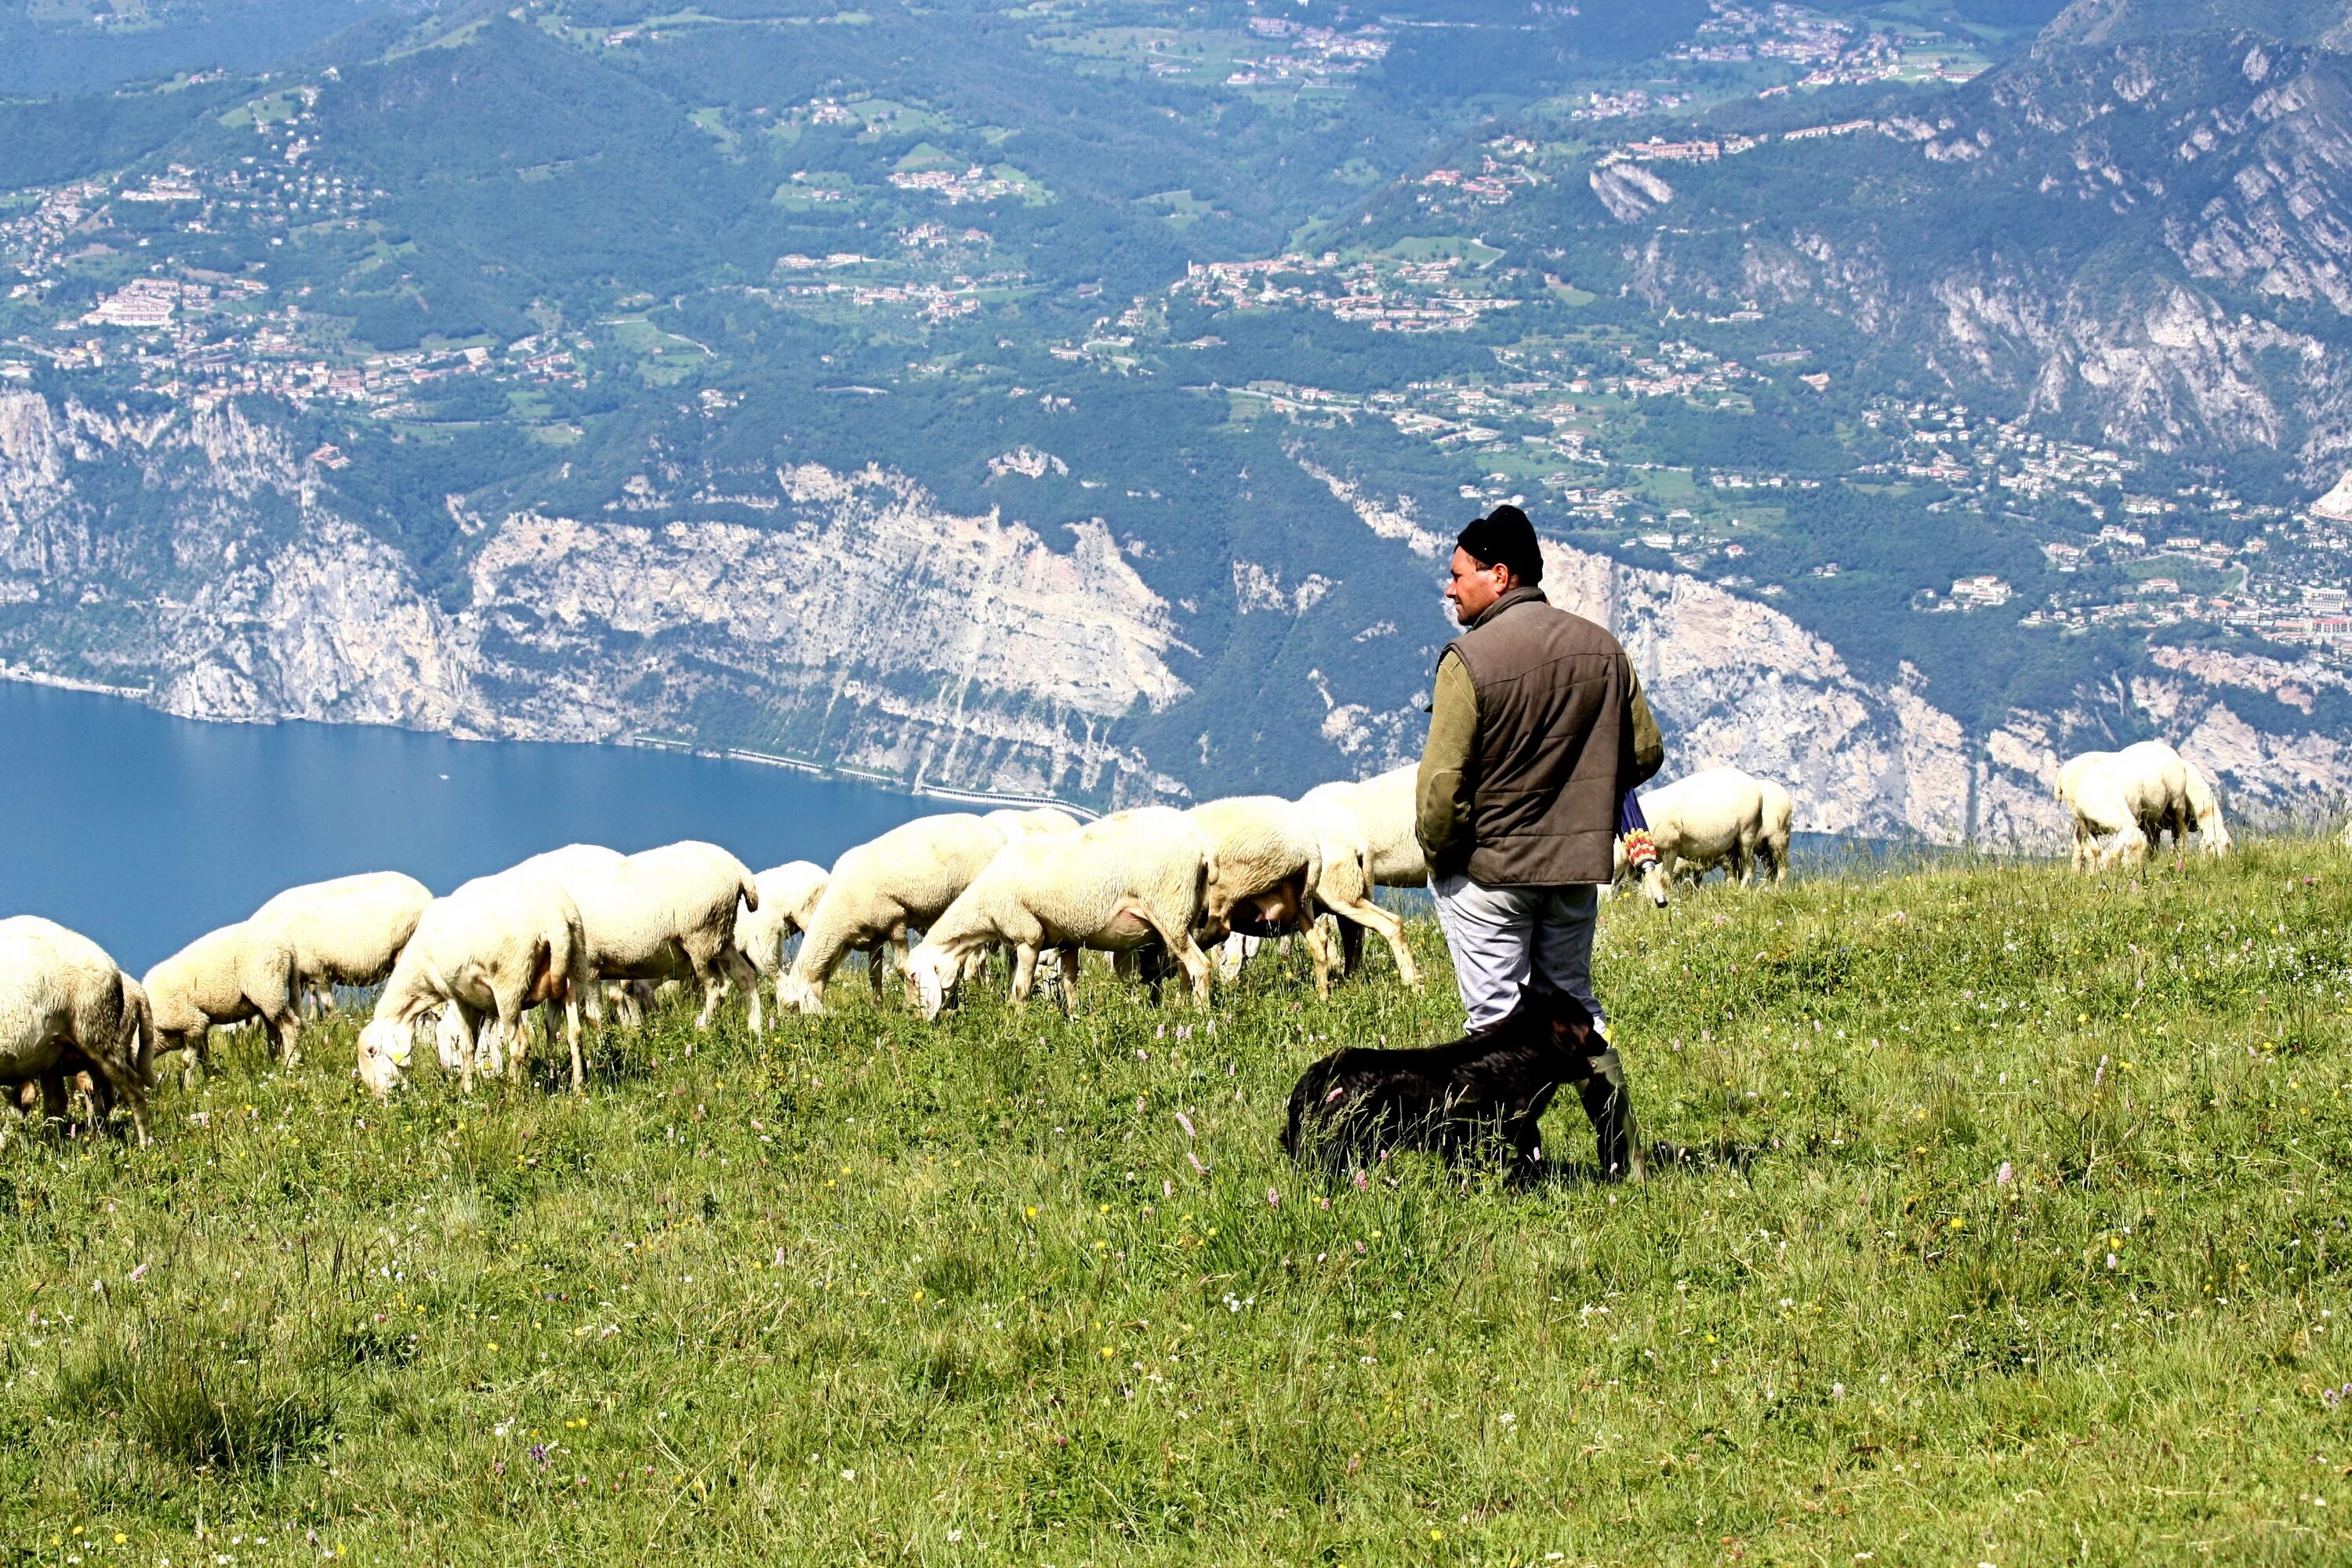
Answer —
849 1475
537 1452
1273 1198
1186 1124
1198 1168
2003 1176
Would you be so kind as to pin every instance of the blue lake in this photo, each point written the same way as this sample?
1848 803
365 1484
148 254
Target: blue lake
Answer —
143 831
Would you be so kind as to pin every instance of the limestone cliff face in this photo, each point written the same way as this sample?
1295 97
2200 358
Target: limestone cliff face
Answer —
867 627
860 625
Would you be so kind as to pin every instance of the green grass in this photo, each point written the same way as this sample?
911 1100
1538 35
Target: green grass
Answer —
874 1291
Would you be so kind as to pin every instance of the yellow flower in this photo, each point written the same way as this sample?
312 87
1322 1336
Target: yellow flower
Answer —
493 1345
1031 1211
1959 1223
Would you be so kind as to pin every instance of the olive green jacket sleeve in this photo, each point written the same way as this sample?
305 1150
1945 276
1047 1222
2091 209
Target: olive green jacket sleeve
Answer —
1448 773
1649 745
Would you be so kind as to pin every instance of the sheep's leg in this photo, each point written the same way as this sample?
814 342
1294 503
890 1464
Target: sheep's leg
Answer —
903 941
286 1035
56 1103
1072 955
1025 972
1351 943
1355 919
470 1044
743 973
1319 948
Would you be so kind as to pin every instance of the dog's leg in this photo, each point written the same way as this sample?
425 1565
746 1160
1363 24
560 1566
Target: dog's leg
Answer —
1610 1105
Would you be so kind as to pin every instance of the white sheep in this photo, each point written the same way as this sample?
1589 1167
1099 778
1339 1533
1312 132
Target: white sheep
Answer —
226 976
1718 816
1015 822
1132 879
2137 794
348 931
1344 816
1269 858
788 900
880 891
660 914
65 1006
493 948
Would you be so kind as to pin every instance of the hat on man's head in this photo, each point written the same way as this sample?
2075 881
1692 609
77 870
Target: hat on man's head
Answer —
1505 537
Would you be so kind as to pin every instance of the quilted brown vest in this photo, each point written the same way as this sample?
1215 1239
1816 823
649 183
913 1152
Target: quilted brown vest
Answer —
1554 729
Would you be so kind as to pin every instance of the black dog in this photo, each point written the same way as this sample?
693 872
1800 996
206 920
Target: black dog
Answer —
1354 1106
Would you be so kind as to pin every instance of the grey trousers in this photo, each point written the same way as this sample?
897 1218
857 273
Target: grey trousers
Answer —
1499 936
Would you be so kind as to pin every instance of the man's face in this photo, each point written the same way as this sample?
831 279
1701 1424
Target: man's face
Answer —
1474 586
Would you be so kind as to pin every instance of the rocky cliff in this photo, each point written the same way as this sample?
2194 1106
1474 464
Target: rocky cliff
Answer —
865 626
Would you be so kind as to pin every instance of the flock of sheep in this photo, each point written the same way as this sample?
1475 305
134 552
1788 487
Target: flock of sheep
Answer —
583 929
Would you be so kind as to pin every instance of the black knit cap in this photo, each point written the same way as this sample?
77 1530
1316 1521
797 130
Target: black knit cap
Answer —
1505 537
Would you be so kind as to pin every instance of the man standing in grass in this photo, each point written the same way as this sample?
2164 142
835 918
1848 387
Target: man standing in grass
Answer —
1536 738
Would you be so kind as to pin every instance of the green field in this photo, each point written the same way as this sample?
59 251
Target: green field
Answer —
2011 1230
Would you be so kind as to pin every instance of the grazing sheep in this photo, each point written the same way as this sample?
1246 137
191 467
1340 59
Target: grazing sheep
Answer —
1348 884
2138 795
661 914
1354 1106
788 900
880 890
491 949
1134 878
1720 817
1384 805
226 976
1268 859
346 932
65 1006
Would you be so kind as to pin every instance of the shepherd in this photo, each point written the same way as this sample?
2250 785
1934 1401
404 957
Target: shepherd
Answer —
1537 735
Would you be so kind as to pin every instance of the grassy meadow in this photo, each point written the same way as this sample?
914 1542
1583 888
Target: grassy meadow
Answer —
2011 1230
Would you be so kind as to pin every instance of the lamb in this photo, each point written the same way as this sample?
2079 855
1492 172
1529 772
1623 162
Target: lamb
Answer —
65 1006
1134 878
877 891
788 900
1719 817
1348 880
226 976
661 913
1268 860
496 946
346 932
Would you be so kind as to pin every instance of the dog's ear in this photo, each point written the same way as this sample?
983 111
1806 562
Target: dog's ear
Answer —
1572 1023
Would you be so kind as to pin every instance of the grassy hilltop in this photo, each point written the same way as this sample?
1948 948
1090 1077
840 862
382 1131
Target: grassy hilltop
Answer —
880 1291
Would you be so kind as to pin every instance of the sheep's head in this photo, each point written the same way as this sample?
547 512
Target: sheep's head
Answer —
384 1048
793 991
937 975
1637 854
